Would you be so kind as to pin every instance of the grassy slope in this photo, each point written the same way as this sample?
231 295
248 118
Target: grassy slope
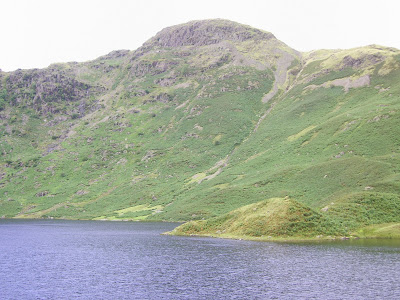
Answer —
367 215
325 146
275 218
137 150
188 149
328 148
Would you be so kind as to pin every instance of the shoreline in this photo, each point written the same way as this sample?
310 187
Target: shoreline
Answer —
358 235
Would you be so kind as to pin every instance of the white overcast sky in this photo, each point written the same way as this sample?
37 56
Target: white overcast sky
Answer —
36 33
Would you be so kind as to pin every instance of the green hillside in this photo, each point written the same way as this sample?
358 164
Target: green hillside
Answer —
205 118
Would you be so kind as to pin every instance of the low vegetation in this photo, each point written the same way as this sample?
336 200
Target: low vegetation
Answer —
275 218
199 125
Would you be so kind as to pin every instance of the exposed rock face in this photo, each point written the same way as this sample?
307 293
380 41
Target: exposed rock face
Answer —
206 32
42 89
144 67
360 62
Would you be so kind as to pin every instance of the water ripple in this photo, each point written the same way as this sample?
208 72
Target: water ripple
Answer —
119 260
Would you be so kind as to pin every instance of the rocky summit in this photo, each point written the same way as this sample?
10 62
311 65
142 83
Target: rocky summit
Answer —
209 121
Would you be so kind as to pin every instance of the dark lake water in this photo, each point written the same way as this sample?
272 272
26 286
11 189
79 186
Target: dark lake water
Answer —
120 260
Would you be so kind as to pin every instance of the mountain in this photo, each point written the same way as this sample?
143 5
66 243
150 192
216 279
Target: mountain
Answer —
205 118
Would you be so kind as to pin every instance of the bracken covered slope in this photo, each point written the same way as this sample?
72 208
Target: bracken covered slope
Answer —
204 118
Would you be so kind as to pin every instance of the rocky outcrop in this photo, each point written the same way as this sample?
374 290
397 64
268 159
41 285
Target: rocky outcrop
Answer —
361 62
146 67
206 32
42 89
